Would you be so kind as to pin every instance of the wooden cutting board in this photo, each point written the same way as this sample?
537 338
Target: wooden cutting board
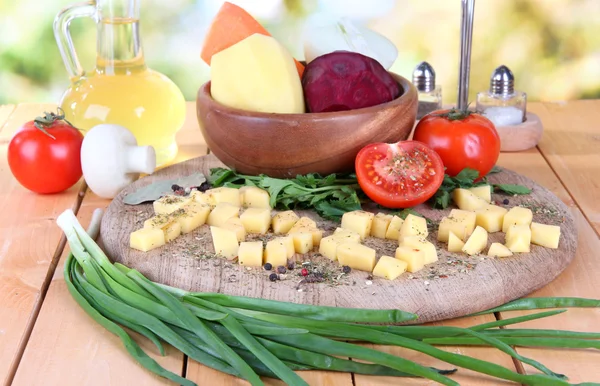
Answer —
454 286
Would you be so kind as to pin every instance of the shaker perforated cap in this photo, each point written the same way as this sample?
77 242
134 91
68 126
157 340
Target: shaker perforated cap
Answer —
424 77
502 81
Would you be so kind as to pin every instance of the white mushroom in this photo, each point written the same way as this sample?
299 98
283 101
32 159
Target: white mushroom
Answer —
111 159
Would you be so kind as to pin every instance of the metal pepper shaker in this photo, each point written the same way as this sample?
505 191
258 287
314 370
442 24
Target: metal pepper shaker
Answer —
430 95
501 103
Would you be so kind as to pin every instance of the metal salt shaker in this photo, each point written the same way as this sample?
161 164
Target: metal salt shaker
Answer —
430 95
501 103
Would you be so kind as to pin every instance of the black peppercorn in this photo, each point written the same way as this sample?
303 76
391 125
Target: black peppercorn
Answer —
370 277
346 269
176 187
204 186
281 269
291 266
273 277
506 202
268 266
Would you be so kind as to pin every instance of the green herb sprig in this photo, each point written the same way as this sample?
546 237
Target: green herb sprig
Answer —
331 196
467 179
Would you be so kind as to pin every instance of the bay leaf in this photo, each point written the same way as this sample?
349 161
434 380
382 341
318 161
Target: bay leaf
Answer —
157 189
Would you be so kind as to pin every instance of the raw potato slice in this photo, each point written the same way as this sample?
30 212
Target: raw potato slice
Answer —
256 220
167 223
170 203
545 235
288 242
393 231
499 250
235 224
225 242
413 226
346 234
418 242
483 191
250 253
316 233
476 242
389 268
381 222
146 239
518 238
191 216
303 242
467 200
356 256
202 198
455 244
413 257
275 253
517 216
254 197
284 221
221 213
490 217
223 194
257 74
358 221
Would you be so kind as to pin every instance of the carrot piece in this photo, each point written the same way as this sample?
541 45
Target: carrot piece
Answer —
231 25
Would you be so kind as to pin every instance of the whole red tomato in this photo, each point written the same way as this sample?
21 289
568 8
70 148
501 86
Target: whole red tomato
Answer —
44 155
462 139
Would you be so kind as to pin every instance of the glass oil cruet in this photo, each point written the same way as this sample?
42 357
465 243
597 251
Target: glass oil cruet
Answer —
121 89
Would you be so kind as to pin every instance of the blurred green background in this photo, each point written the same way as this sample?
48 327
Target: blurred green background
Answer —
552 46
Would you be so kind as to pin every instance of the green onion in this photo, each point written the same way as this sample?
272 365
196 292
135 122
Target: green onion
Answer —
515 320
539 303
521 341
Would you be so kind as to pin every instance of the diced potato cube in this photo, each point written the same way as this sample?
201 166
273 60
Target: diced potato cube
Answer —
303 242
389 268
170 203
224 194
483 191
202 198
451 225
418 242
282 222
328 245
517 216
381 222
545 235
358 221
455 244
490 217
518 238
467 216
254 197
225 242
250 253
235 224
221 213
413 257
256 220
467 200
413 226
315 232
304 222
146 239
356 256
276 253
499 250
288 243
476 242
346 234
191 216
167 223
393 231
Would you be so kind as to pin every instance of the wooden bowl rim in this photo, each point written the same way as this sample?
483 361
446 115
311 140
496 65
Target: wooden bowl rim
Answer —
409 94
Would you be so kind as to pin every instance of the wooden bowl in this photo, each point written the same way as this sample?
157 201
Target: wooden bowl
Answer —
284 145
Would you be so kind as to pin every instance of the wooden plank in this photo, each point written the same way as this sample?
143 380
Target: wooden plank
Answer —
462 376
570 143
578 279
5 111
28 241
68 347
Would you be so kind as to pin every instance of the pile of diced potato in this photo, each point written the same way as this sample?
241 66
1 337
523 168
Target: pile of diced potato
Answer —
232 214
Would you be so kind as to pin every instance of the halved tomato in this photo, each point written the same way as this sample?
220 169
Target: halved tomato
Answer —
399 175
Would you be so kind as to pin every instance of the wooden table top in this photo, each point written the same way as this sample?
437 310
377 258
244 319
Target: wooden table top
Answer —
47 339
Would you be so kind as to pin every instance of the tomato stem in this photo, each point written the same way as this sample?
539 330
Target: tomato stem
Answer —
455 114
43 123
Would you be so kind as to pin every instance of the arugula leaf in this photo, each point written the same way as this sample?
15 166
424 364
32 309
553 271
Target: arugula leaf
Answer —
466 177
512 188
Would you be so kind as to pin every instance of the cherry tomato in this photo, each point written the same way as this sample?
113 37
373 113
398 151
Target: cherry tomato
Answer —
399 175
44 155
463 140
